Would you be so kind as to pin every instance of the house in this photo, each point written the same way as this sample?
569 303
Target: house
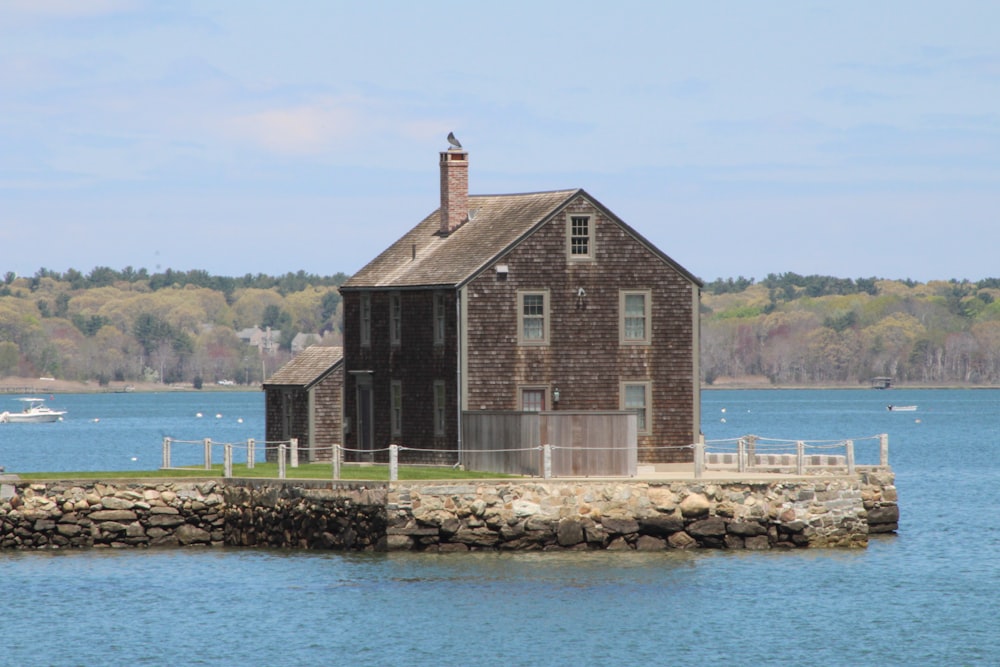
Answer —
303 400
537 301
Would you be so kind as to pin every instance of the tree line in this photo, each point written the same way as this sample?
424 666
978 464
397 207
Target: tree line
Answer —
184 327
171 326
819 330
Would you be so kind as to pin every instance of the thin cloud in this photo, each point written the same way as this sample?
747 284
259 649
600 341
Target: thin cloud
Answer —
299 130
69 8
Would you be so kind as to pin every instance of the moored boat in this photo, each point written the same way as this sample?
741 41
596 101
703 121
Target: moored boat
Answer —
900 408
34 412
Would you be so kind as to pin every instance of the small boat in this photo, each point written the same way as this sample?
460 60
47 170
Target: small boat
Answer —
34 412
900 408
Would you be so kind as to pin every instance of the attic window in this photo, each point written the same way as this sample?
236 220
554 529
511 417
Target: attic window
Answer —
580 236
502 271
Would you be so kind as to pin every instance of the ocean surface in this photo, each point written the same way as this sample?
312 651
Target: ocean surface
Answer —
927 596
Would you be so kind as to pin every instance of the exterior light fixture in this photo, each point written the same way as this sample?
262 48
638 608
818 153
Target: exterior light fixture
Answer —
555 395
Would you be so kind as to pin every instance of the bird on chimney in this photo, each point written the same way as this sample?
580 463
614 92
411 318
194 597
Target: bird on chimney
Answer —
453 141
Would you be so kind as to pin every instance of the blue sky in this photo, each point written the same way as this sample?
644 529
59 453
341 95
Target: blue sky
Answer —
850 139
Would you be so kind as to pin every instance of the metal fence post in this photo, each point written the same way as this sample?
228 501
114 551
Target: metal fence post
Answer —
166 453
883 450
208 453
547 461
393 463
699 457
227 461
251 453
850 457
336 461
282 454
294 445
800 457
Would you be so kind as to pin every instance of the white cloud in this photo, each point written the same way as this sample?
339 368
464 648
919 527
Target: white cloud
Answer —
299 130
69 8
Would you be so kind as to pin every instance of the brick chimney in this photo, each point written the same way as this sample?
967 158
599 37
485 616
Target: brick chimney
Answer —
454 189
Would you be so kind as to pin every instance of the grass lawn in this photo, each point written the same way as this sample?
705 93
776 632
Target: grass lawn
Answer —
270 471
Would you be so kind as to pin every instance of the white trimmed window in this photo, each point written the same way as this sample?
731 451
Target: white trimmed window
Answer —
439 318
533 399
533 317
634 321
366 320
440 407
580 236
395 318
396 407
635 397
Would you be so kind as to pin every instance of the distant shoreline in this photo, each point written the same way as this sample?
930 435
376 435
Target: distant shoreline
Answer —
20 385
26 386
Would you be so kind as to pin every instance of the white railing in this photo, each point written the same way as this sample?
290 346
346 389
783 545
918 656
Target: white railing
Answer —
752 453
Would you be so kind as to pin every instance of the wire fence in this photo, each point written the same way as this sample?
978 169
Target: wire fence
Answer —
746 454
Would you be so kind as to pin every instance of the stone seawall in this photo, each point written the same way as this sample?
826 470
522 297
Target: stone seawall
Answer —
480 515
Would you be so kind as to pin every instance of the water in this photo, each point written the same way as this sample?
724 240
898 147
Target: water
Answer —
924 597
126 431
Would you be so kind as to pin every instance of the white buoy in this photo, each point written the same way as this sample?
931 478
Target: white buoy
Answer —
96 420
135 458
240 420
198 415
218 415
723 420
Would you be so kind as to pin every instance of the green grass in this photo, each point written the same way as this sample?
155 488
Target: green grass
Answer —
379 473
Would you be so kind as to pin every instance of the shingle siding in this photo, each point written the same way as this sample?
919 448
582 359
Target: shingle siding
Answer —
584 358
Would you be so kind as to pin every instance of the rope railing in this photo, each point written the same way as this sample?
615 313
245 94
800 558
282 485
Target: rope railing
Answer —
754 453
747 453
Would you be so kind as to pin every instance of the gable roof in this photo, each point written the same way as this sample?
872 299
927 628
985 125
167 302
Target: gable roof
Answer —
308 367
424 257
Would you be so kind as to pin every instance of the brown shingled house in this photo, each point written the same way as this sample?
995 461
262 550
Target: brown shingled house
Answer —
538 301
303 400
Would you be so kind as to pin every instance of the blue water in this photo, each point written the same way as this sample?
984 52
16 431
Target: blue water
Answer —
927 596
126 431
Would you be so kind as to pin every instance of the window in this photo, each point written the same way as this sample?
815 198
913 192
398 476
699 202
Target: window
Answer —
439 319
634 321
366 320
635 397
395 319
580 236
439 408
396 407
532 399
533 318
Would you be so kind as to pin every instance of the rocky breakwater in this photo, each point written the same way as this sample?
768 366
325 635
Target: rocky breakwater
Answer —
53 515
304 515
646 516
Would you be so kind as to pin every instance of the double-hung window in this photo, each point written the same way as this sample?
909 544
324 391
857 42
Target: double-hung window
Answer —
366 320
396 407
580 236
533 317
635 397
395 318
634 307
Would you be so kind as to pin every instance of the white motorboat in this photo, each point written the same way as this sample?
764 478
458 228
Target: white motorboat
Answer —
901 408
34 412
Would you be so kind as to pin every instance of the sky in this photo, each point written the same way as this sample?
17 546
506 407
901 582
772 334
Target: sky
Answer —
849 139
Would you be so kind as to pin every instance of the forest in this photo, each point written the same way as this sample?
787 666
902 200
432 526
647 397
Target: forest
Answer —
170 327
786 330
798 330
